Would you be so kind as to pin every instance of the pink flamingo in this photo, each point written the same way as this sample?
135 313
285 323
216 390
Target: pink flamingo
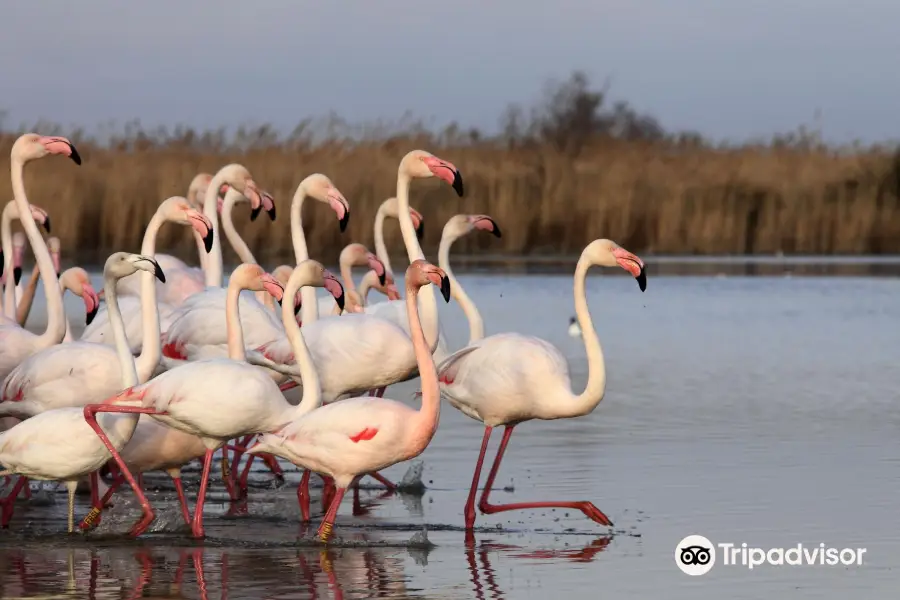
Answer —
16 343
79 373
365 434
57 445
216 399
353 255
12 250
508 378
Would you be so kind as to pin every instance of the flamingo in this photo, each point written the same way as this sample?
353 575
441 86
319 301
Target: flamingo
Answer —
73 279
456 227
353 255
360 352
78 373
370 281
12 249
217 399
364 434
16 343
57 445
508 378
390 208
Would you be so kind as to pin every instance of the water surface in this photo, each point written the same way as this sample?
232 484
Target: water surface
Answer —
745 409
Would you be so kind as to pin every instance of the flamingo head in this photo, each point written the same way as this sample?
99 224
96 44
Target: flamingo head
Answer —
459 225
178 210
313 273
76 280
357 255
320 187
250 276
607 253
31 146
421 272
123 264
421 164
197 189
238 177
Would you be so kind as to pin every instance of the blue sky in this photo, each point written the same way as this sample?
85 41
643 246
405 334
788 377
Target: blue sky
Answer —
727 68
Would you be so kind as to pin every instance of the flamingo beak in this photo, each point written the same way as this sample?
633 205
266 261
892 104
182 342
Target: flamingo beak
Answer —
419 222
376 265
203 226
268 202
334 287
458 183
17 274
91 303
339 204
60 145
445 288
487 224
273 286
633 265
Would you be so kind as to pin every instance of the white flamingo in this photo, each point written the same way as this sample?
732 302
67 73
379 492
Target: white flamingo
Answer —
353 255
217 399
361 435
12 249
58 445
16 343
390 208
508 378
360 352
78 373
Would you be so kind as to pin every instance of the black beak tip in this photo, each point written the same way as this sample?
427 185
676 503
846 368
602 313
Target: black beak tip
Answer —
17 275
382 278
91 315
496 230
75 156
297 309
255 212
458 184
47 225
340 301
280 301
344 220
158 272
642 279
445 288
420 231
208 241
271 212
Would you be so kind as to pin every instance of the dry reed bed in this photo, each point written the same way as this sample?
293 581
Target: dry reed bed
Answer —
649 197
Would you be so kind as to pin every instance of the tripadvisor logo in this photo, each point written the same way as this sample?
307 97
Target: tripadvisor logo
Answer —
696 555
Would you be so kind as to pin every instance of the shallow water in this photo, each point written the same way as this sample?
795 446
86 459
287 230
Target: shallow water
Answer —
745 409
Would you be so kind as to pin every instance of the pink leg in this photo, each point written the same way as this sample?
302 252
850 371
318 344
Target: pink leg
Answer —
470 503
303 496
7 504
27 490
273 465
197 525
591 511
90 415
288 385
327 490
229 476
382 480
95 493
324 532
179 489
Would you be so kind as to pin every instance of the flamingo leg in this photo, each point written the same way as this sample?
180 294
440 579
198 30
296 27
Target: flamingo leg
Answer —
95 493
229 474
303 496
175 474
325 529
197 524
469 511
273 465
591 511
7 504
93 517
28 490
327 490
90 415
380 479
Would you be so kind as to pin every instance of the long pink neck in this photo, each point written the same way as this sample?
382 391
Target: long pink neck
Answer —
428 415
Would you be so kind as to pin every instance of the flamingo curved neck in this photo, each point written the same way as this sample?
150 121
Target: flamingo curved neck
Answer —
23 309
233 321
312 391
476 323
56 324
213 260
593 392
380 247
121 425
428 415
309 307
151 346
245 255
9 289
414 252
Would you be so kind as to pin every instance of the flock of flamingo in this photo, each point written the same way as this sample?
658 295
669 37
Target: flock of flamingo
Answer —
177 366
